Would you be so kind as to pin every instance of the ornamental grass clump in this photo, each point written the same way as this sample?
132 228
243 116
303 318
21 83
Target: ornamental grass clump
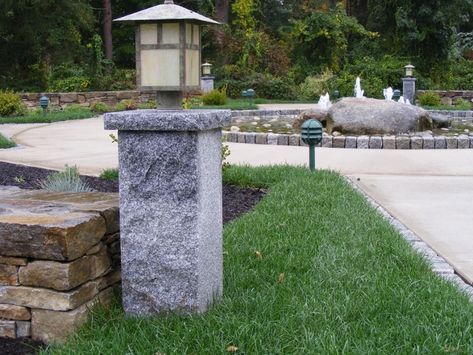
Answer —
65 181
11 104
6 143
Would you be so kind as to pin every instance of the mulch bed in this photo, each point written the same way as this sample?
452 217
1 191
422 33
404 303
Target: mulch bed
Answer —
236 201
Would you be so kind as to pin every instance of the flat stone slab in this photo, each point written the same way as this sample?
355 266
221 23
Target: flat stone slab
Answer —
168 120
53 226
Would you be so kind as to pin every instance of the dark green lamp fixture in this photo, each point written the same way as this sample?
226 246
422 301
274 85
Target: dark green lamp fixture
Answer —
311 134
249 95
44 103
396 95
336 94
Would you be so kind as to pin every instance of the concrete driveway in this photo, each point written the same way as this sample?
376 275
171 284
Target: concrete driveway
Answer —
430 191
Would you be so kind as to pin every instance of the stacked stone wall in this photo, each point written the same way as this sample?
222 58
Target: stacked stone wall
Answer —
59 256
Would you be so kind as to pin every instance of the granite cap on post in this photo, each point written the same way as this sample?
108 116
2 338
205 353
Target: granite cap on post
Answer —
167 120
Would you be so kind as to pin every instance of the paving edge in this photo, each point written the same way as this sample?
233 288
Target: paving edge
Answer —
414 142
438 264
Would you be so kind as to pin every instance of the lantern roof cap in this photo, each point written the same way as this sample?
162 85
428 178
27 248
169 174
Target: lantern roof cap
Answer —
167 12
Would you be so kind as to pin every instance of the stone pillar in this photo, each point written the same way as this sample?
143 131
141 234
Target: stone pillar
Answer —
409 89
207 83
170 208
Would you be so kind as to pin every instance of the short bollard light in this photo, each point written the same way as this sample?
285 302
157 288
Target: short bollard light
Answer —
336 94
311 134
44 103
396 95
249 95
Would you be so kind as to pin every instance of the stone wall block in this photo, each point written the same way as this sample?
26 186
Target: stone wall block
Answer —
452 142
295 140
428 142
68 98
261 138
11 312
54 327
65 276
363 142
338 142
376 142
417 142
350 142
327 142
47 299
403 142
389 142
273 138
7 329
241 137
250 138
283 139
440 142
463 142
23 329
8 275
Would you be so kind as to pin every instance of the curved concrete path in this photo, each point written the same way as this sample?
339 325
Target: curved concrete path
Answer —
430 191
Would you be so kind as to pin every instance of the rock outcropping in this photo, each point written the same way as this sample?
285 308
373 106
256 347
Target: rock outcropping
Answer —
372 116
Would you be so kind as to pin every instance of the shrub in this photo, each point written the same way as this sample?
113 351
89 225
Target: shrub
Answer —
65 181
109 174
127 105
462 104
11 104
315 86
6 143
147 105
430 99
215 98
100 107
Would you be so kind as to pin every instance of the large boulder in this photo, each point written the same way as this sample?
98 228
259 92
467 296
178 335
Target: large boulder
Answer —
371 116
317 113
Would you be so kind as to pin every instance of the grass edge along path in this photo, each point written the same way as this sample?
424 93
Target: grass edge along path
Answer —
314 269
73 113
6 143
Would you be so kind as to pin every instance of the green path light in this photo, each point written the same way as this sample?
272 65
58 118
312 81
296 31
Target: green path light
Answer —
44 103
311 134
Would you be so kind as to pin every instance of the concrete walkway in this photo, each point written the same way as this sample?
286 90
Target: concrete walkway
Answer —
430 191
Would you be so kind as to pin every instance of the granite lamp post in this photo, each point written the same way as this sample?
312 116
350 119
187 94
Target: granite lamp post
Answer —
168 51
170 180
207 82
409 84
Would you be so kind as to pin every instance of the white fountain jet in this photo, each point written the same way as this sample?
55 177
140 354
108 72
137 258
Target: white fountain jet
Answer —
324 102
359 94
388 94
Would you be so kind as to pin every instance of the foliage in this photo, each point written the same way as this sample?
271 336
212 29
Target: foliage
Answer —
6 143
65 181
315 86
73 112
225 154
451 75
126 105
461 104
216 97
11 104
350 281
431 99
150 105
101 107
109 174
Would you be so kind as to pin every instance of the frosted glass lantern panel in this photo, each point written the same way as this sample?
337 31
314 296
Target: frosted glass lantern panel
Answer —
188 33
149 33
160 67
170 33
192 67
196 35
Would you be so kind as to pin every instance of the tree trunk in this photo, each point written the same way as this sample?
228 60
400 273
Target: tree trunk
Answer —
222 8
107 29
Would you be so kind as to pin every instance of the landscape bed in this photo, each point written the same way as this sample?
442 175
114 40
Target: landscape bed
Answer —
312 269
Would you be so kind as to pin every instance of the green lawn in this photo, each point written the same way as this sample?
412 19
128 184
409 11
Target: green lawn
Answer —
351 284
242 104
6 143
70 113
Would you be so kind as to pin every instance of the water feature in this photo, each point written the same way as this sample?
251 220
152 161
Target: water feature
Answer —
388 93
324 102
358 92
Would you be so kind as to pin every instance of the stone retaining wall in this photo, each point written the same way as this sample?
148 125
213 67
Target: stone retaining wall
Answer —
59 255
110 98
448 97
421 141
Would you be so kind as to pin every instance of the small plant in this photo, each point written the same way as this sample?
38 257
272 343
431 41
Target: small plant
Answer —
215 98
6 143
150 105
462 104
126 105
65 181
225 154
100 107
11 104
113 138
19 179
430 99
109 174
